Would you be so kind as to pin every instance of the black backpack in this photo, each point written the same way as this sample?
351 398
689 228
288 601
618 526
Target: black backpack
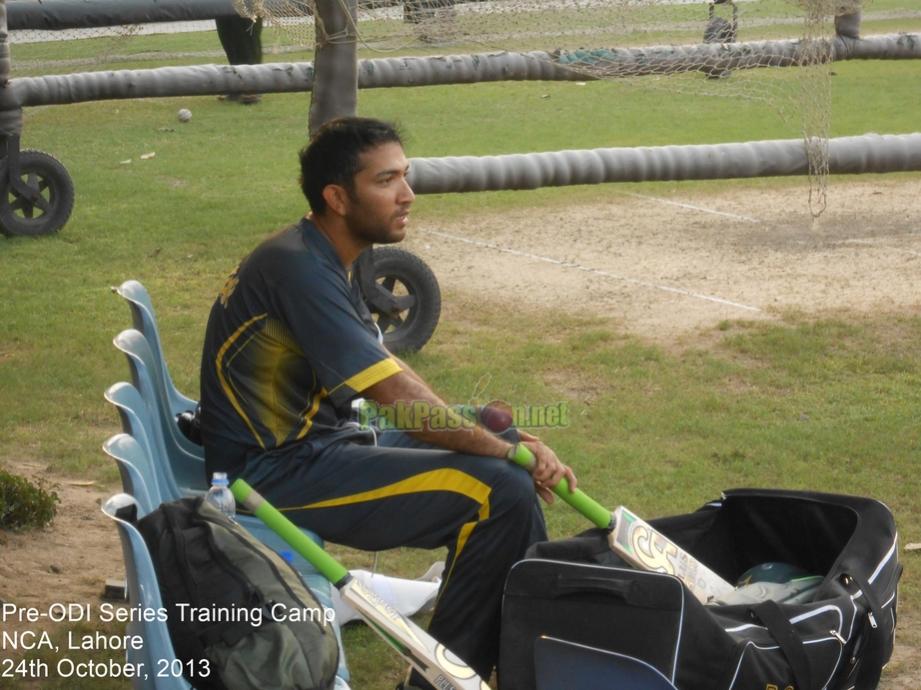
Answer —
235 603
579 595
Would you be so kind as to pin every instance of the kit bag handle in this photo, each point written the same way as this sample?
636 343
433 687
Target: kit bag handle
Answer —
631 591
770 613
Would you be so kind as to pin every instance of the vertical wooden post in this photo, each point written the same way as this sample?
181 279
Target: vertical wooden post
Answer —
4 46
10 112
335 83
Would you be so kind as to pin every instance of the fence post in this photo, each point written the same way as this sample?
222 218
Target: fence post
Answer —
10 112
335 85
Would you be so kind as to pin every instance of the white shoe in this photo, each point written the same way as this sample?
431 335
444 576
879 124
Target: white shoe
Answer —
434 573
406 596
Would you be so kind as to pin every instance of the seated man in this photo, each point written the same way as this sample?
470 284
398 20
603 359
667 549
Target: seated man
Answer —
290 344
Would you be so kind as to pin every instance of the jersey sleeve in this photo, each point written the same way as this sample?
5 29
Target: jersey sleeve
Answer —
346 356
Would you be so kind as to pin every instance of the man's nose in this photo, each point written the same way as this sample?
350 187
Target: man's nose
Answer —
406 193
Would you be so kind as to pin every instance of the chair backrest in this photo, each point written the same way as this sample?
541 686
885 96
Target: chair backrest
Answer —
145 320
145 428
137 472
185 459
144 594
140 356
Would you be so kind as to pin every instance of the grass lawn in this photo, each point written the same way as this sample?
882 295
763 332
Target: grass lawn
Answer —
830 404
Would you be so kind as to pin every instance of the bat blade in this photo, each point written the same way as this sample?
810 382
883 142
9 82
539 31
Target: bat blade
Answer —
432 659
641 545
429 657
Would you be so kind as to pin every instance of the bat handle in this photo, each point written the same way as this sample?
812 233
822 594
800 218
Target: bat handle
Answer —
578 499
253 501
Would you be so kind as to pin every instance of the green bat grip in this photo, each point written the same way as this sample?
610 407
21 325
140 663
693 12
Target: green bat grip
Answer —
578 499
328 566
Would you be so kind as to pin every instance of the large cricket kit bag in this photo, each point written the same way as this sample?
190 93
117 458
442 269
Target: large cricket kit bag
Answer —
576 602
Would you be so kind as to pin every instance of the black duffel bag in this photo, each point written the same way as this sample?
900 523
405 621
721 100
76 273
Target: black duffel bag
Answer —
577 592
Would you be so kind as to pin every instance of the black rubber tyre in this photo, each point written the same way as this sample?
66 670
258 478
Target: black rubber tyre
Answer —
45 174
406 276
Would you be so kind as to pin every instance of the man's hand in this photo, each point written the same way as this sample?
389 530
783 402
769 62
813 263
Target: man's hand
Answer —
548 469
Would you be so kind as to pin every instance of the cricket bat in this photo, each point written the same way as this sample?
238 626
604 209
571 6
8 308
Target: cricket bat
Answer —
429 657
636 541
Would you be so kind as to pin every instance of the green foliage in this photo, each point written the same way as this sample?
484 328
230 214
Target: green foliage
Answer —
24 505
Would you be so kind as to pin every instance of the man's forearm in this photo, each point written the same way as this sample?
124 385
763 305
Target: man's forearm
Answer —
457 433
409 371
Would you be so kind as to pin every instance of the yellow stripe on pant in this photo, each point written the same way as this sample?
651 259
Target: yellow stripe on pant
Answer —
445 479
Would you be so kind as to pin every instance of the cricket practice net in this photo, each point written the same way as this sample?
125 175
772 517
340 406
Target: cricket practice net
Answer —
773 52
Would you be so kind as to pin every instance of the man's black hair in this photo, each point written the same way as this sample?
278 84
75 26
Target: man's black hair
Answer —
332 156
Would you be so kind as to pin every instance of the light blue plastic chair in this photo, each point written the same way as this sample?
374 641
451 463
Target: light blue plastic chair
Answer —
137 419
143 592
145 320
133 463
186 459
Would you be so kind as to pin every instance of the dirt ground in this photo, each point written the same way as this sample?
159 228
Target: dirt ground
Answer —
669 266
666 267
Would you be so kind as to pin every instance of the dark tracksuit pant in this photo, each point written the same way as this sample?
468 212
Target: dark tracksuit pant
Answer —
405 493
241 39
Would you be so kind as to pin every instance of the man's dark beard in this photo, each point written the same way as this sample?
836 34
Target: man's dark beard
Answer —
373 233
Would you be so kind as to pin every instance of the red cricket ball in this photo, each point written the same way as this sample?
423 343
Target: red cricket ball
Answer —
496 416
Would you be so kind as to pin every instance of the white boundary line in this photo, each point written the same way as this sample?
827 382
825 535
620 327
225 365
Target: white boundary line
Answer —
595 271
702 209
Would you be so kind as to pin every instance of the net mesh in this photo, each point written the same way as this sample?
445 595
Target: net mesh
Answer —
674 45
677 46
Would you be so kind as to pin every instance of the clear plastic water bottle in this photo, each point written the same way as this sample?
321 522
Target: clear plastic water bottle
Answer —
219 495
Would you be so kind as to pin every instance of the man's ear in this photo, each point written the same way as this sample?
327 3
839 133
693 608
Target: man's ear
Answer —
336 198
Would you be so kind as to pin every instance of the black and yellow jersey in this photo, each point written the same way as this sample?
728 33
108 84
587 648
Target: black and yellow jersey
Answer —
289 343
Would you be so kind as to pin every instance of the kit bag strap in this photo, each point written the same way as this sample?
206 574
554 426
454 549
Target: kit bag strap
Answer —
770 613
873 653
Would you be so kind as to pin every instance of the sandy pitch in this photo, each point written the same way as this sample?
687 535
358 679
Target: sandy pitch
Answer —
666 265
